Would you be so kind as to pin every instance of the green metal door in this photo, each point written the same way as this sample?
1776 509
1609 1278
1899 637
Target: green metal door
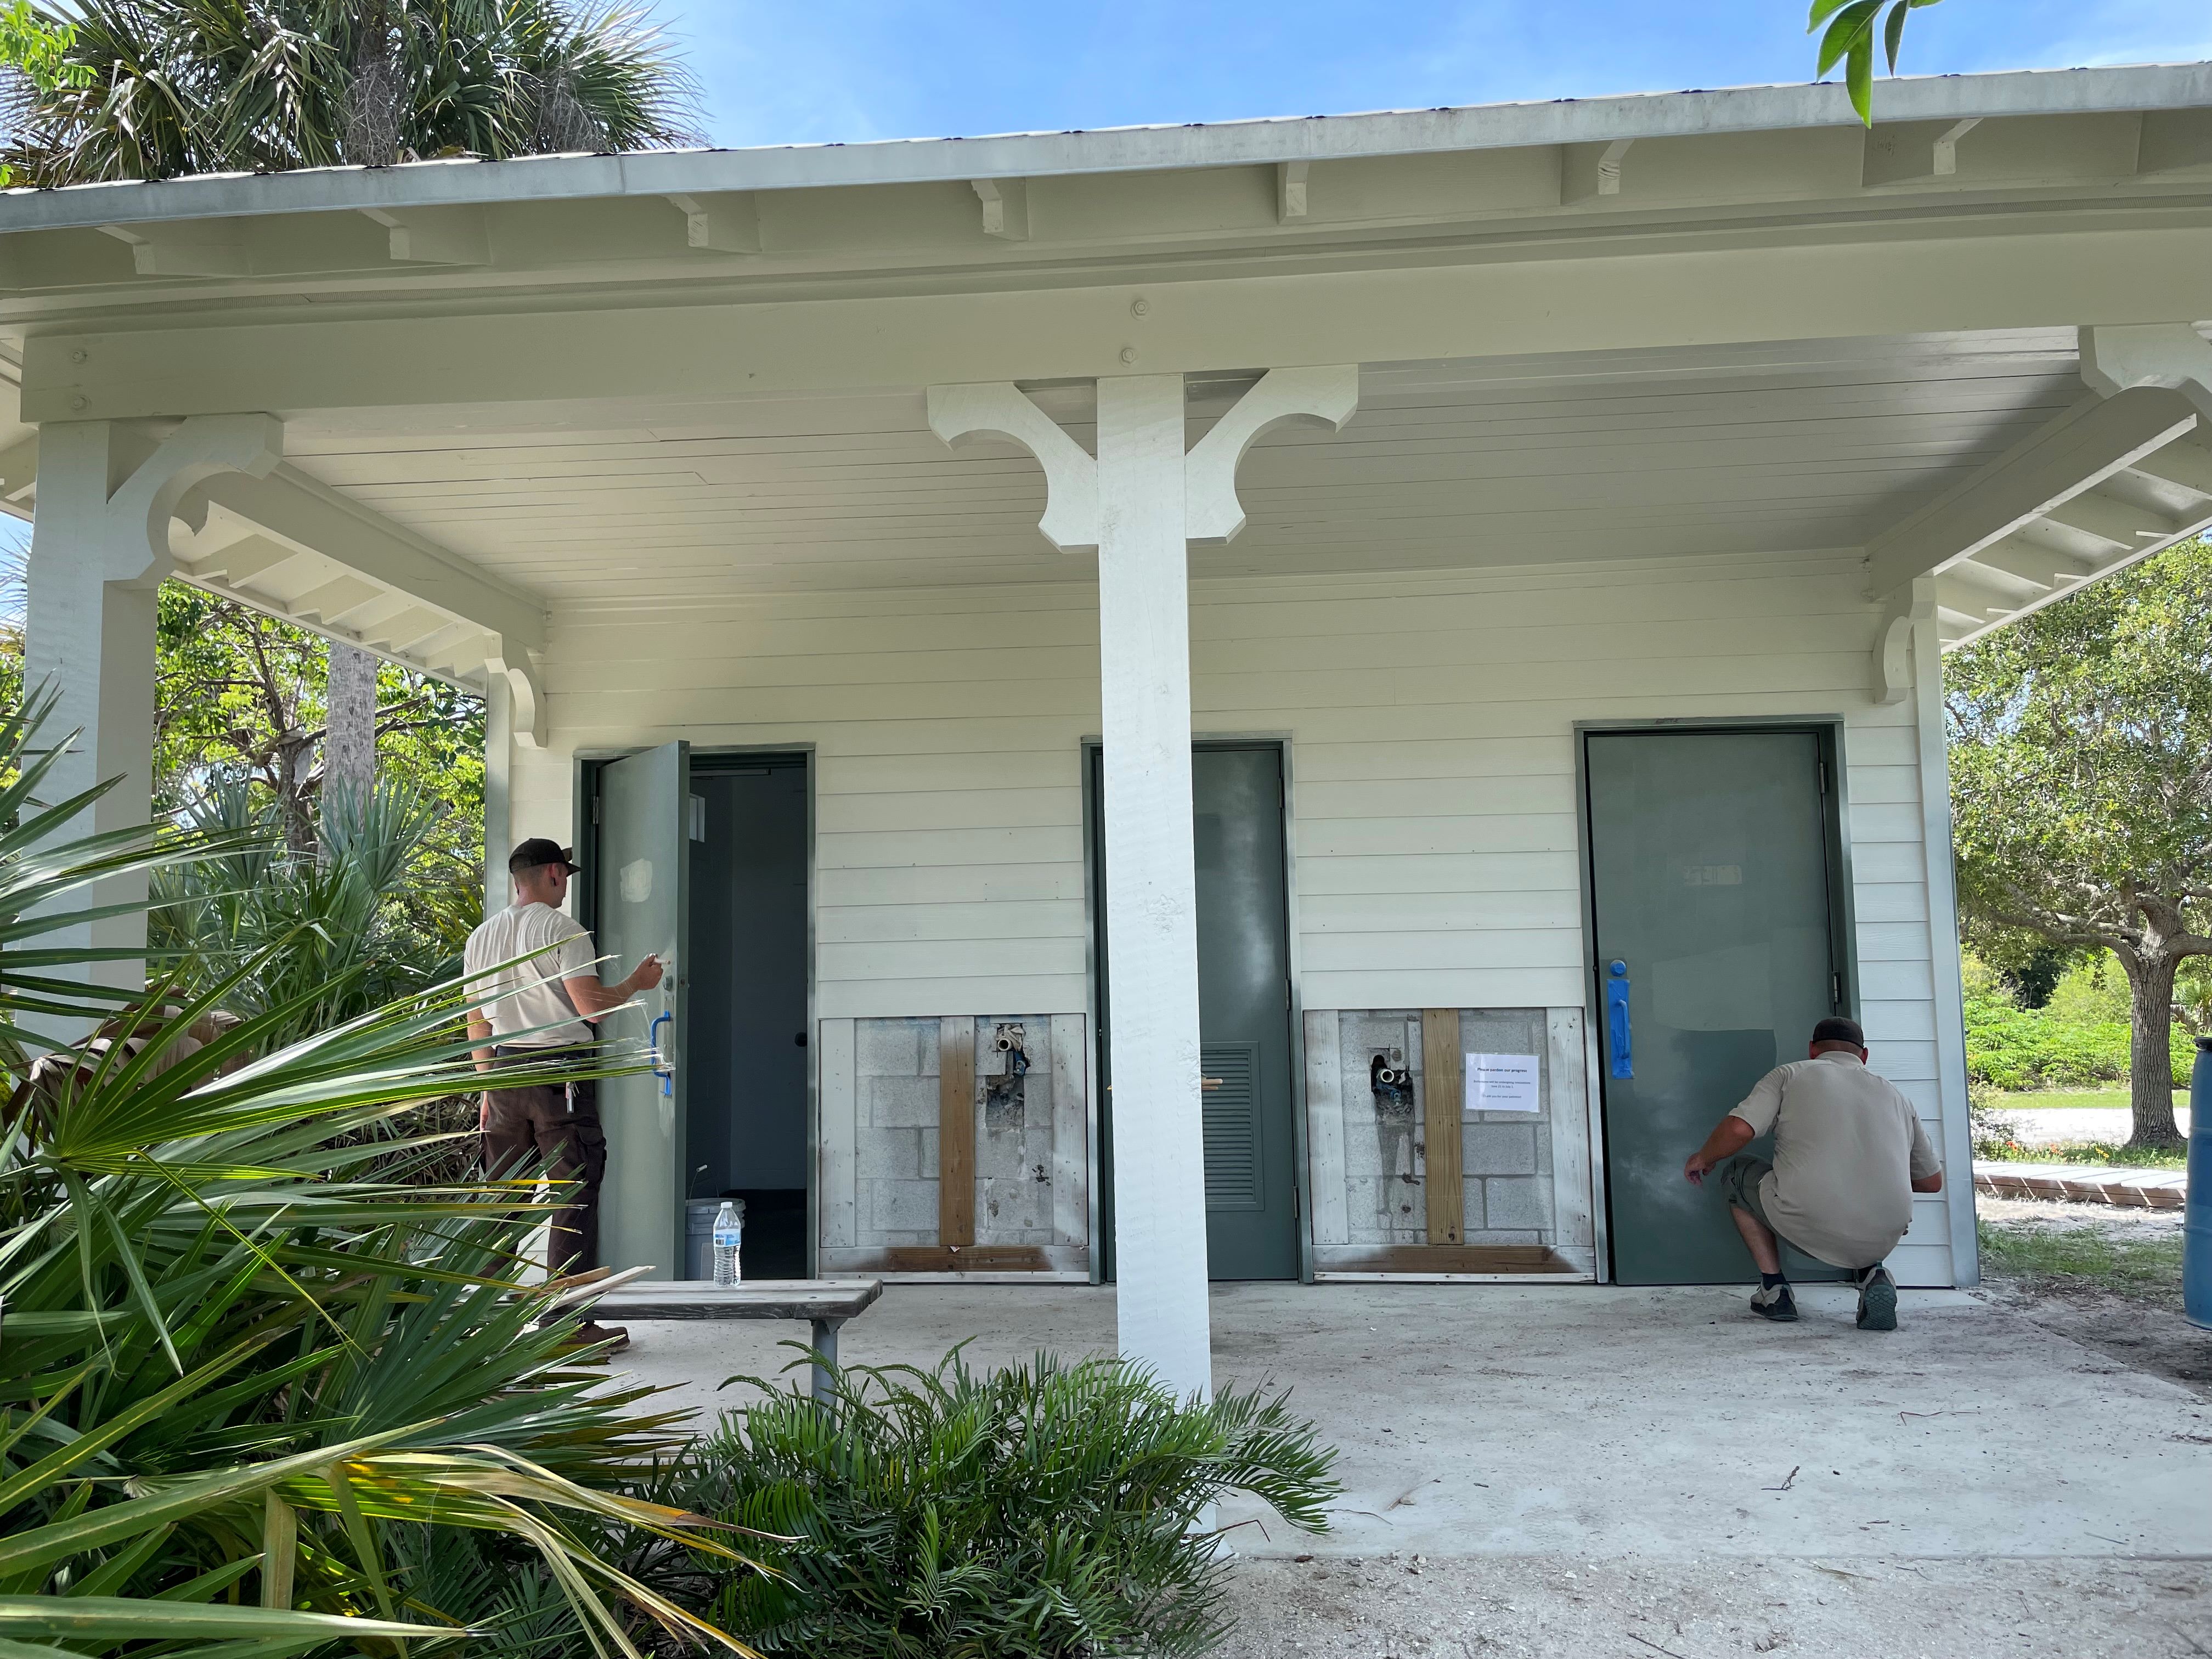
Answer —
644 855
1709 874
1243 1011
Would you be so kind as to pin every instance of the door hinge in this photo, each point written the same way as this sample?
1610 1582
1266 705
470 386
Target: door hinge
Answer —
1836 992
1824 777
596 804
1286 996
1295 1210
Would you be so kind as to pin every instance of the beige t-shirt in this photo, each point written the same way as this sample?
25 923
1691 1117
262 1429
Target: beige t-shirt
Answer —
539 1005
1847 1148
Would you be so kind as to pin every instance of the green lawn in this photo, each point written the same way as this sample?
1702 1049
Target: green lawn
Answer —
2052 1100
2084 1255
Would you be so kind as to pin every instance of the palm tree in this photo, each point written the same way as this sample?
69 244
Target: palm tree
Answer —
175 87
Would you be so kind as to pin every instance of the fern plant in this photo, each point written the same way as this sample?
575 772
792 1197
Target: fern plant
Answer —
1050 1511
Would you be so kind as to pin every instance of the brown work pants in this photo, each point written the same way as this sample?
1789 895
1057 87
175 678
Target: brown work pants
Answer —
537 1128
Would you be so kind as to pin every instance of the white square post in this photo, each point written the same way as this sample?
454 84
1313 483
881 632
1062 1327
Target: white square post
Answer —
100 548
1140 503
1152 894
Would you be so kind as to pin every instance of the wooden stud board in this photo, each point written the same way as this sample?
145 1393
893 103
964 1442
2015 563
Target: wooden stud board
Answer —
1442 1084
955 1132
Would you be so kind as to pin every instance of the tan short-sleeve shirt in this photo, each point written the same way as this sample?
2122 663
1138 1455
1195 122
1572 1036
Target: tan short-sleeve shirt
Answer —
1847 1147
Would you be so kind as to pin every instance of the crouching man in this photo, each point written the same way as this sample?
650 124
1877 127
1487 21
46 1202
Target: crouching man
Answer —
1848 1154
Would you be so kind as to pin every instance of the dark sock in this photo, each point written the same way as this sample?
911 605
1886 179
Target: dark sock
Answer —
1768 1282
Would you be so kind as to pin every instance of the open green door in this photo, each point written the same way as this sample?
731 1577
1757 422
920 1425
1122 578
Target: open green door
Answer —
644 856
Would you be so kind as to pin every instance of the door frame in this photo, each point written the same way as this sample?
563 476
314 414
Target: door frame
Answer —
584 799
1829 732
1094 912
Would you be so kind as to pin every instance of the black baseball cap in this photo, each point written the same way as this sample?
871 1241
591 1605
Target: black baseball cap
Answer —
538 852
1836 1029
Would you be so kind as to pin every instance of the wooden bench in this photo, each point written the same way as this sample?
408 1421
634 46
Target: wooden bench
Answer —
825 1304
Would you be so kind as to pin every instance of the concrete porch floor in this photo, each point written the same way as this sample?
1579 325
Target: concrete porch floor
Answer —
1605 1422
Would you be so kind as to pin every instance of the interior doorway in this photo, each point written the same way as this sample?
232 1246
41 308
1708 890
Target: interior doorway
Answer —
1715 893
1246 1098
746 1051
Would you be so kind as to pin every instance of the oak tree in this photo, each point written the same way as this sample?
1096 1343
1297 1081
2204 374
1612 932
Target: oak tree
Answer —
2081 788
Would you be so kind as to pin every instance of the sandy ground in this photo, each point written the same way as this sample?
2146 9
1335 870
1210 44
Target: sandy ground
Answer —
1600 1471
2146 1334
1692 1608
1407 1606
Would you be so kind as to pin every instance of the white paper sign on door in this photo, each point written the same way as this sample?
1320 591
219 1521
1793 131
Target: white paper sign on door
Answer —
1504 1083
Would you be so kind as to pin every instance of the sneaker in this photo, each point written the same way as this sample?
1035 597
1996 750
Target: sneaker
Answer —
1877 1300
1775 1302
607 1339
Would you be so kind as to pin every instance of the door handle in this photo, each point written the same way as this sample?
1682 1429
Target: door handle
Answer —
1616 1020
663 1068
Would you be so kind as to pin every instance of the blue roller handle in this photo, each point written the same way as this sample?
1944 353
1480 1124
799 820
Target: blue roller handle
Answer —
2197 1224
1616 1020
666 1074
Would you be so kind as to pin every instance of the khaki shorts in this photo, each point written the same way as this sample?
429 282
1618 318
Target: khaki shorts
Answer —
1740 1179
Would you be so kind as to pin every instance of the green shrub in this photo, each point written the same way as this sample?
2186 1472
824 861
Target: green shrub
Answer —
1042 1511
2013 1048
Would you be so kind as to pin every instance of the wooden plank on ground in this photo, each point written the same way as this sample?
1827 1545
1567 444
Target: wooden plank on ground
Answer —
955 1132
1444 1077
961 1259
1450 1259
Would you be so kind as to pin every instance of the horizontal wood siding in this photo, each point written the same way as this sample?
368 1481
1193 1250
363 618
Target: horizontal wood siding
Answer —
1432 723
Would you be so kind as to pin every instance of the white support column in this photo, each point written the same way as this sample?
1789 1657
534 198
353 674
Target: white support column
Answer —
1140 503
1151 894
498 791
99 553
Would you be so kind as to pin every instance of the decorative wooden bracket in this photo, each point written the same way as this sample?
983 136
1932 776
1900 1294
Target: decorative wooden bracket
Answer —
2173 356
1915 603
1319 397
510 658
136 526
961 414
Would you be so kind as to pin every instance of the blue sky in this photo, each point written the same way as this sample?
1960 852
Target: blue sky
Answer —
848 70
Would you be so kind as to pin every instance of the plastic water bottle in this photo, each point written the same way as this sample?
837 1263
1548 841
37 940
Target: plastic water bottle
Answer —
729 1237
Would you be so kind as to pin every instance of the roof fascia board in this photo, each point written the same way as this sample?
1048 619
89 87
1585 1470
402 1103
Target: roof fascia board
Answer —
1118 149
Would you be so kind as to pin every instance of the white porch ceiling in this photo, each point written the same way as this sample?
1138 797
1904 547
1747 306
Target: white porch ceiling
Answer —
1529 461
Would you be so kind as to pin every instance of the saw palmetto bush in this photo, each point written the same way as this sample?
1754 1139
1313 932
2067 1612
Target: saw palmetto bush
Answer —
159 89
245 1387
350 941
1052 1511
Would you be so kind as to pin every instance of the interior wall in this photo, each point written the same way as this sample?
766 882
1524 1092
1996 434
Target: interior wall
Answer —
746 1048
1433 761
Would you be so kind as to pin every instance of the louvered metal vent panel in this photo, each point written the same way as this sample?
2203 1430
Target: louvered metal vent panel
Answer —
1232 1127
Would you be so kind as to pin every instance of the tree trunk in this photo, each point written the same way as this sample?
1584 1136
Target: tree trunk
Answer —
350 725
2150 1057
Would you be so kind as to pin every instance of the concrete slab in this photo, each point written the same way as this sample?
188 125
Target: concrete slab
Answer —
1603 1421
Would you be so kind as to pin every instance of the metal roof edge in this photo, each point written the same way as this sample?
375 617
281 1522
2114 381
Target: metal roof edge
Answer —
1113 149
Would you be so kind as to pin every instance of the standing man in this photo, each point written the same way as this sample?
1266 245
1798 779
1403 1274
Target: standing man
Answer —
1848 1154
532 1010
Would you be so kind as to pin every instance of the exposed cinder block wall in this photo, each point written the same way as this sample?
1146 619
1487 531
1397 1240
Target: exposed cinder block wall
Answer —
1527 1174
880 1117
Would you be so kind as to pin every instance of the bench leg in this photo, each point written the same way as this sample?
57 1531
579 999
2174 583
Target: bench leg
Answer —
825 1344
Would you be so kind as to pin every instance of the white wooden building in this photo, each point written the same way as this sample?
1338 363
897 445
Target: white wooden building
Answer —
853 541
